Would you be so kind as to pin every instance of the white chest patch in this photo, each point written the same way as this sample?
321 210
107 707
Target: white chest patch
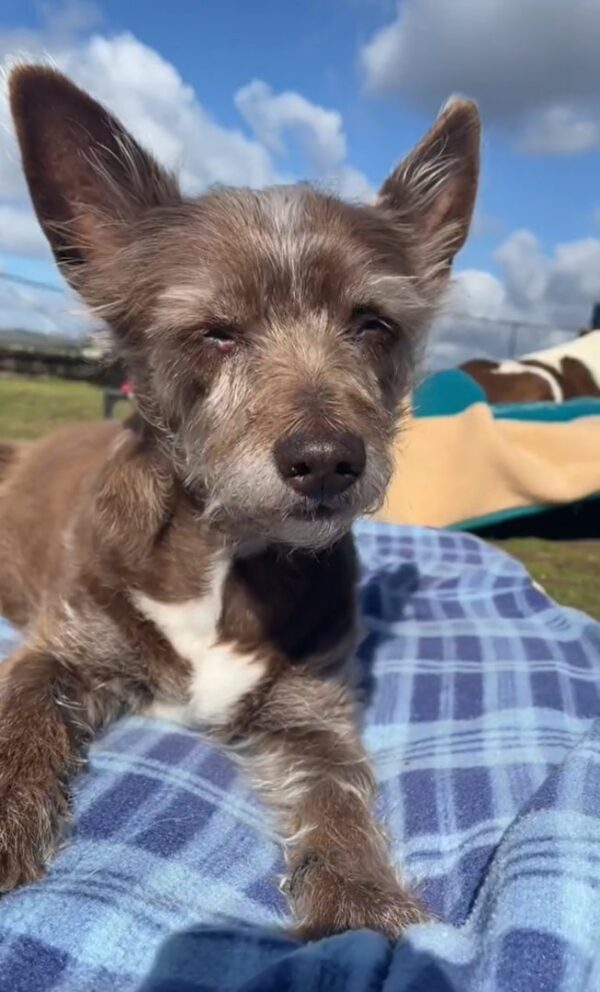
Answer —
221 674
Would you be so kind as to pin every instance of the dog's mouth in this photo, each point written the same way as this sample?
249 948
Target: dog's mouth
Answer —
310 511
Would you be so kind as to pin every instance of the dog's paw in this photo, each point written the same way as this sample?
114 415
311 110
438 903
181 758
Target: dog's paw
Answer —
325 903
387 913
30 825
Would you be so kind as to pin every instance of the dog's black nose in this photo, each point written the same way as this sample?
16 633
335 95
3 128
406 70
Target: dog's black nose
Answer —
320 466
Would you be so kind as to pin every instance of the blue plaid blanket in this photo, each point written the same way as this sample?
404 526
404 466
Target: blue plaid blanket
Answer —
484 732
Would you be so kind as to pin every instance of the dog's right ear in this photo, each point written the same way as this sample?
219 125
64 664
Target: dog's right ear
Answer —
88 178
434 188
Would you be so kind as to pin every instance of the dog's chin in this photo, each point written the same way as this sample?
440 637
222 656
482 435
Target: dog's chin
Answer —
304 525
313 528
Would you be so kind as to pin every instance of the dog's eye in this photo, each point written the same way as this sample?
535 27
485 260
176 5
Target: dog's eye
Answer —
366 322
223 338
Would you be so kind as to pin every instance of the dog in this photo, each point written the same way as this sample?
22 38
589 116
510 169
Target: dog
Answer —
198 560
552 375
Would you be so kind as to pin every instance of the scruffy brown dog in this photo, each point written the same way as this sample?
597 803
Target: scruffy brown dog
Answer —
198 560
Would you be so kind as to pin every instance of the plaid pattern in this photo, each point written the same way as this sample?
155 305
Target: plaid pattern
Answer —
483 696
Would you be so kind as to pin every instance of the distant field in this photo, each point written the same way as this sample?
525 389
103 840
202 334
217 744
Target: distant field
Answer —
31 407
568 570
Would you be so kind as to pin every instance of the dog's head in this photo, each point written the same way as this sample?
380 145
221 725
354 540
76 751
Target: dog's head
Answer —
270 335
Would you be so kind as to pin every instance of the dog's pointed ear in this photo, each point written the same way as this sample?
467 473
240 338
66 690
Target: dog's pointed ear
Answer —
434 188
88 178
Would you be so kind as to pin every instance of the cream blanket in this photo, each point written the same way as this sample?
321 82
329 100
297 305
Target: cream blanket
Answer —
456 468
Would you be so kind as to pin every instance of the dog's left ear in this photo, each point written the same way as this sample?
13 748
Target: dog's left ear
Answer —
434 187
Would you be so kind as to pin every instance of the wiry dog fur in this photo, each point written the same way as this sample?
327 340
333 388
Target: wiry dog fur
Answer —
172 562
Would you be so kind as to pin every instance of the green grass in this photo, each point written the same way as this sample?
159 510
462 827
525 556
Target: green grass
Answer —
32 407
567 570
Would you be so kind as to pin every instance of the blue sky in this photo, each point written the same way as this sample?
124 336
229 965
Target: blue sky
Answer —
385 68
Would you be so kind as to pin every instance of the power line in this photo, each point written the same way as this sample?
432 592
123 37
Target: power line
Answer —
507 321
34 283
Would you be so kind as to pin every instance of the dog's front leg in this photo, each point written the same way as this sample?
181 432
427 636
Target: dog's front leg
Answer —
49 709
304 755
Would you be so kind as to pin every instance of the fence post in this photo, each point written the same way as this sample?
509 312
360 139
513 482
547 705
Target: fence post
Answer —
514 335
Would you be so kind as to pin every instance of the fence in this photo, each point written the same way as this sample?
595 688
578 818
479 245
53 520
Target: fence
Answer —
460 337
454 339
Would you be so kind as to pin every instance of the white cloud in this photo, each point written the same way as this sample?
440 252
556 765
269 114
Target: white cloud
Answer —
36 309
148 94
532 65
318 133
538 300
20 233
486 225
473 324
556 289
478 293
351 184
526 271
561 130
